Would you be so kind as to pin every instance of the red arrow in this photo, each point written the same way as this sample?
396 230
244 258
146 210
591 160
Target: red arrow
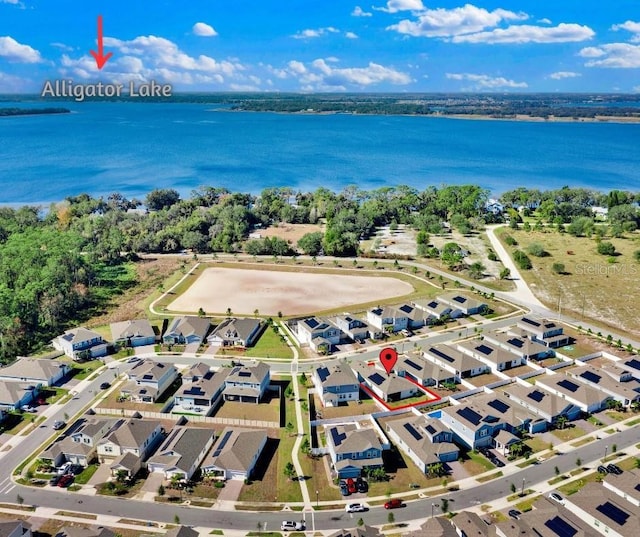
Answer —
99 56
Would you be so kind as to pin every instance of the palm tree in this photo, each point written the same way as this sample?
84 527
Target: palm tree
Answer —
561 422
229 312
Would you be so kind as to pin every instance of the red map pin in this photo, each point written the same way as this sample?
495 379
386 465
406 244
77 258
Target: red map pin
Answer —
388 359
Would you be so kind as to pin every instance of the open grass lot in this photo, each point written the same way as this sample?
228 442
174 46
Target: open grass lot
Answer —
267 411
570 432
483 380
589 282
290 290
291 233
350 409
536 444
268 346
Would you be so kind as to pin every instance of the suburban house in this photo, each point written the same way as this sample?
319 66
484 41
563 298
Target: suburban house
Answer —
79 447
632 365
422 371
235 453
247 383
493 206
201 392
135 436
417 317
545 404
42 372
522 346
335 383
543 331
361 531
437 310
133 333
583 395
15 528
187 330
388 319
467 305
497 358
353 449
468 523
435 527
148 380
182 452
624 485
478 419
320 335
81 343
236 333
14 395
460 364
625 392
425 440
355 329
387 387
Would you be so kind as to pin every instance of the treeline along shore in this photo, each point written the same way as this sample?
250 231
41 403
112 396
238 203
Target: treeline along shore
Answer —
61 266
32 111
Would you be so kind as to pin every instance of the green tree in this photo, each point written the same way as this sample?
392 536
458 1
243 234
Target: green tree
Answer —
558 268
289 470
391 518
513 488
161 490
606 248
505 273
162 198
476 270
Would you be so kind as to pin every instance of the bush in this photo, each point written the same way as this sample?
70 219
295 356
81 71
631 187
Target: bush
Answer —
505 273
492 256
636 255
508 239
558 268
606 248
522 260
219 484
535 248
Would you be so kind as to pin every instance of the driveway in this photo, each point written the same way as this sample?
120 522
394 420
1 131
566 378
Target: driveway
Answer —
153 482
231 490
192 348
102 475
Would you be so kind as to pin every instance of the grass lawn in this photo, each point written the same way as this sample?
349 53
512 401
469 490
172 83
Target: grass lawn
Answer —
267 411
616 415
527 505
402 473
536 444
479 460
366 406
268 346
489 477
83 477
569 433
575 486
15 422
582 441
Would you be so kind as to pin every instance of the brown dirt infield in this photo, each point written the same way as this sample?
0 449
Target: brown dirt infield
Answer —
292 293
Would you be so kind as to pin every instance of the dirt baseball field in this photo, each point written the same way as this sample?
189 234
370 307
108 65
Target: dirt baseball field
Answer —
292 293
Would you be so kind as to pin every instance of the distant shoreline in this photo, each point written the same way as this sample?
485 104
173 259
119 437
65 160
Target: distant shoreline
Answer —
16 112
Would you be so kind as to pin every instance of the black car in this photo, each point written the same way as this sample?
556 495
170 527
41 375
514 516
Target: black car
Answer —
344 490
362 485
603 469
54 480
614 469
105 386
514 513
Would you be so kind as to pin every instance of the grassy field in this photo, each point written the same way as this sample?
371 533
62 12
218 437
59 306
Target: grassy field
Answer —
589 280
267 411
268 346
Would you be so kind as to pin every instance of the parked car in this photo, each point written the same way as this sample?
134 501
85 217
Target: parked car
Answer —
54 480
290 525
394 503
614 469
105 386
515 514
344 490
65 468
28 408
351 485
556 497
603 469
66 480
362 485
355 508
57 425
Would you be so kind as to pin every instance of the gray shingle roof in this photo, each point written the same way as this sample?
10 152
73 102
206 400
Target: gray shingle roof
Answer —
132 329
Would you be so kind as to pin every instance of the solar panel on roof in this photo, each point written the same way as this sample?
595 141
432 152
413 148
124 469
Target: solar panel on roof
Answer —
312 323
323 373
499 405
470 415
376 378
411 363
591 376
516 342
613 512
459 299
406 308
430 429
222 443
411 430
336 436
441 354
568 385
633 363
530 321
432 304
560 527
484 349
536 395
244 374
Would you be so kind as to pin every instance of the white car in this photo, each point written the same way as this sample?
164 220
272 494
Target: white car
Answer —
289 525
355 508
556 498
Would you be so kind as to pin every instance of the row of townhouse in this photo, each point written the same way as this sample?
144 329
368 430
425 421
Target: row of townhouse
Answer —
201 388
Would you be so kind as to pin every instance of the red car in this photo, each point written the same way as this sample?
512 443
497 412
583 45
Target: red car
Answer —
351 486
393 503
66 480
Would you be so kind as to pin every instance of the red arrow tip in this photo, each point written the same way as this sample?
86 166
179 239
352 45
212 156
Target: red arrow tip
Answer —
101 59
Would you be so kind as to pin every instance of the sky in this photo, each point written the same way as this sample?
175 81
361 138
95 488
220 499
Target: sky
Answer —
327 45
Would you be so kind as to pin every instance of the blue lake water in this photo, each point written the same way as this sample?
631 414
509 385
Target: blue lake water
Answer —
134 147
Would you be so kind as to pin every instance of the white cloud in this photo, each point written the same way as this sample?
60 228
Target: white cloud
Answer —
13 84
393 6
204 30
62 46
319 75
613 55
359 12
559 75
482 82
544 21
630 26
17 52
525 33
318 32
636 89
13 2
350 35
442 22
